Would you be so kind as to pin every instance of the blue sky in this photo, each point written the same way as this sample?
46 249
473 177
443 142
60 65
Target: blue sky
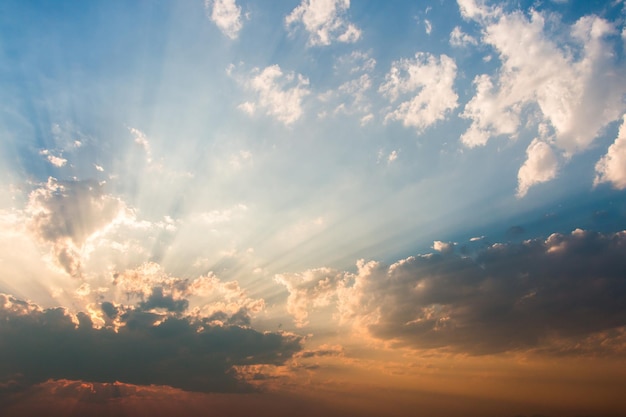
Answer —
184 159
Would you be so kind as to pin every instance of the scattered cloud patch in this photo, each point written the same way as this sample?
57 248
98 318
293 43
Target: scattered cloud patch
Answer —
278 94
309 290
443 247
541 165
426 82
428 27
460 39
612 166
226 15
57 161
325 21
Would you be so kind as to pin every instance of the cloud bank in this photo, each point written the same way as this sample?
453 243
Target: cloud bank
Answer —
564 294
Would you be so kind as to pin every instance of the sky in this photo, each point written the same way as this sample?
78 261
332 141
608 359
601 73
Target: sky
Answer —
313 207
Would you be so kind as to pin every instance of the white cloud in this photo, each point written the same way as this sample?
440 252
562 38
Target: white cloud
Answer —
324 21
207 294
443 247
475 9
226 15
428 27
57 161
460 39
310 290
392 156
489 115
366 119
577 88
432 79
540 166
612 166
279 95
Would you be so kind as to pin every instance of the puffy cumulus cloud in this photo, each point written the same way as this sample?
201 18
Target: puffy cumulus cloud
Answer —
325 21
474 9
277 94
428 81
205 296
444 247
547 295
147 348
540 166
577 87
612 166
226 15
309 290
67 214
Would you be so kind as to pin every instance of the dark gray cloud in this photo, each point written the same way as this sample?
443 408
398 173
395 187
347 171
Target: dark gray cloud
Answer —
562 291
166 301
188 353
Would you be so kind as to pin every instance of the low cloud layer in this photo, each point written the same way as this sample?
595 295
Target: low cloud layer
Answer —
148 348
561 295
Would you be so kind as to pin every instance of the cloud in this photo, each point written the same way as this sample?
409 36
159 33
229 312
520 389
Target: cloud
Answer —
547 295
577 87
351 96
460 39
279 95
183 352
427 81
325 21
356 61
443 247
57 161
612 166
67 213
151 286
308 290
226 15
540 166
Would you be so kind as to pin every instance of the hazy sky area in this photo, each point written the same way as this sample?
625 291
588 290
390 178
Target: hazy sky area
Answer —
313 208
